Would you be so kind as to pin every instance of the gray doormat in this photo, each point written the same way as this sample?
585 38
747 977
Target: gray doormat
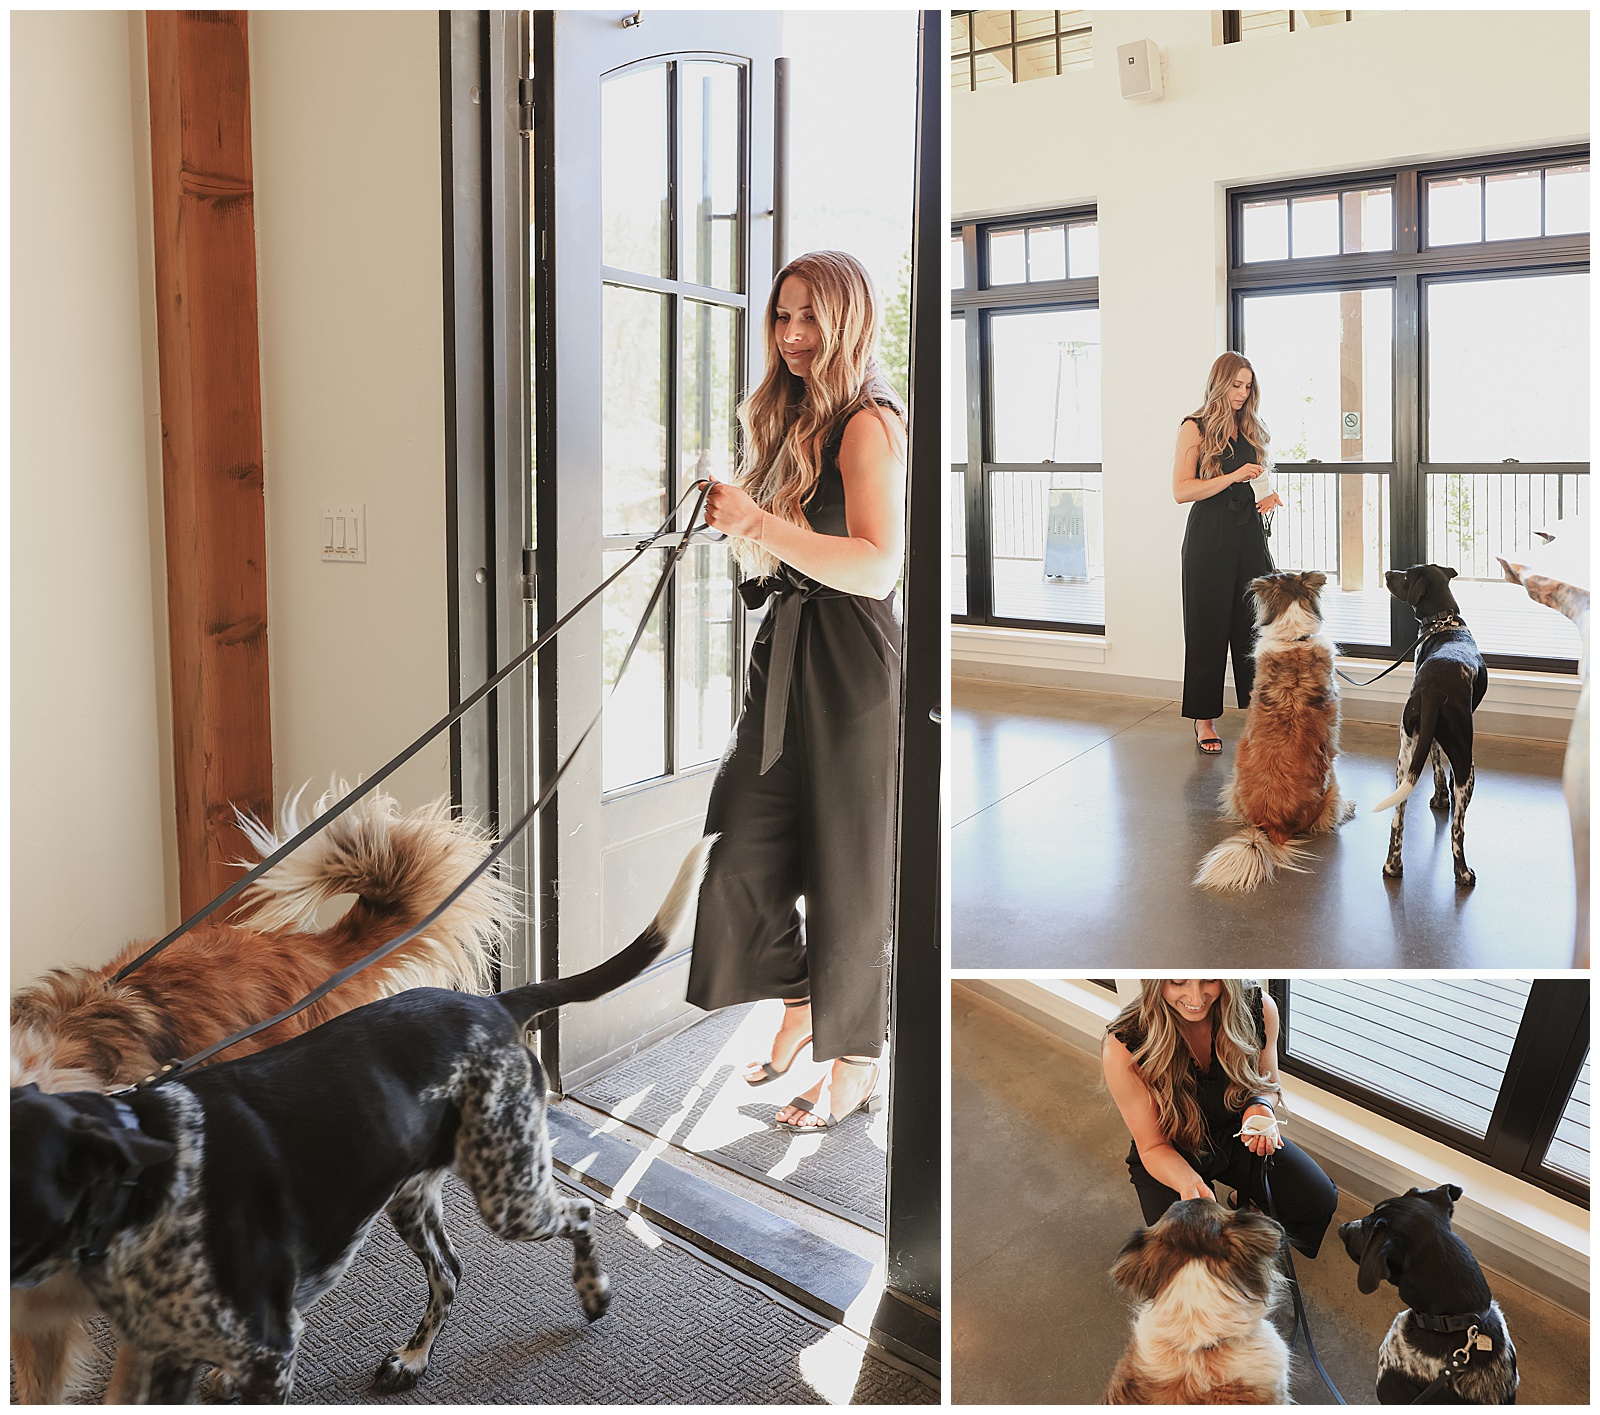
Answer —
679 1331
689 1090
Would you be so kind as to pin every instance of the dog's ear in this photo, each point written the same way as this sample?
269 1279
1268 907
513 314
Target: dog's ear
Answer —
1449 574
1314 580
1381 1243
1251 1242
97 1145
1137 1266
1416 586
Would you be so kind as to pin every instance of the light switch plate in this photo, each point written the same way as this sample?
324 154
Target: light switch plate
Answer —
344 533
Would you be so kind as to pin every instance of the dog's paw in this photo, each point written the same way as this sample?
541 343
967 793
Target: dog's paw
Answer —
1465 878
1438 802
396 1374
594 1293
1348 814
1393 869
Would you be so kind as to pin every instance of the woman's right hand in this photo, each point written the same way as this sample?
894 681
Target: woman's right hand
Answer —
1197 1188
1249 472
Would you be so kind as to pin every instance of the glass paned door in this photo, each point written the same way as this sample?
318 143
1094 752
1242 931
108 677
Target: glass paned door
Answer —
655 194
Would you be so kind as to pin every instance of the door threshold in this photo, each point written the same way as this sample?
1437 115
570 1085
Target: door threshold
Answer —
798 1263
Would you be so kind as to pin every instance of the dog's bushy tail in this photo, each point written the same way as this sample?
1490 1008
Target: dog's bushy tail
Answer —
400 867
1246 860
670 927
1427 726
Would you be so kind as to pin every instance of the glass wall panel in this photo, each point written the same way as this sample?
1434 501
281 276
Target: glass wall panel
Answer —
958 541
1511 205
1045 385
1338 522
1316 225
1566 200
635 721
956 403
1568 1152
708 391
633 171
1369 220
633 436
1083 249
705 654
709 183
1455 210
1508 369
1266 230
1046 533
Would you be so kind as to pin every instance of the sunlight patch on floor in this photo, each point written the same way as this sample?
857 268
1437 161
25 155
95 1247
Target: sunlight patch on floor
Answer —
832 1366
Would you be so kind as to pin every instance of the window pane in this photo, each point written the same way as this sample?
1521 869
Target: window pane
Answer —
1323 359
956 403
1045 535
1511 205
1316 225
1266 230
990 27
636 718
1569 1146
960 34
1259 22
1472 518
707 391
633 435
704 650
958 542
1566 200
1083 249
708 97
1508 369
1045 385
1435 1045
633 170
1047 253
1455 211
1369 220
1036 61
992 70
1031 24
958 264
961 74
1338 522
1008 257
1077 51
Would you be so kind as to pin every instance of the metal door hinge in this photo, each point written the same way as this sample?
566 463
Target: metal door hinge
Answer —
525 104
530 575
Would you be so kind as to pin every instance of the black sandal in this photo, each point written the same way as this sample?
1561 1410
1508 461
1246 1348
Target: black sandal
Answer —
1200 743
872 1103
769 1072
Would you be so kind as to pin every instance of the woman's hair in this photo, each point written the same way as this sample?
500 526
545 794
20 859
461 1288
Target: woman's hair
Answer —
1216 415
1163 1060
788 419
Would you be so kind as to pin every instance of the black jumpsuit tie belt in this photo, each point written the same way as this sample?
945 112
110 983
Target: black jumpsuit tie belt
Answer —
788 592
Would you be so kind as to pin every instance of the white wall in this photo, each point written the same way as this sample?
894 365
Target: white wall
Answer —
1387 87
345 114
90 769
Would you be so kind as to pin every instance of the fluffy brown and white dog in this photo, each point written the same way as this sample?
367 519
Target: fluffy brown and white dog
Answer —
1282 787
78 1029
1207 1279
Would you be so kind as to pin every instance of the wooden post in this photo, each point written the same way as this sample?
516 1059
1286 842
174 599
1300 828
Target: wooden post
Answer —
202 185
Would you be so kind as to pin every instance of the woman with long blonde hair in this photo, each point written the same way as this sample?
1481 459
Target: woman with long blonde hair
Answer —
1221 447
804 799
1188 1063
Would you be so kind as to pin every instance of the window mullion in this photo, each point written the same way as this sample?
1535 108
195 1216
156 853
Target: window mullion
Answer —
980 588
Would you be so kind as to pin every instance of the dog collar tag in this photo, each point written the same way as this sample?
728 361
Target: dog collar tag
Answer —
1483 1343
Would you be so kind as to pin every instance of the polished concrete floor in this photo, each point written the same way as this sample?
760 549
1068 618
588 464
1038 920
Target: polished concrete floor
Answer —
1040 1204
1078 820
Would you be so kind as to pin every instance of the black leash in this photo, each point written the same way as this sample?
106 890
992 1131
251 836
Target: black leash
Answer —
450 718
1301 1321
177 1068
1432 626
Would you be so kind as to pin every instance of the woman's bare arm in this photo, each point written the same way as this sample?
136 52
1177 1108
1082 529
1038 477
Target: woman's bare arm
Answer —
1186 485
867 560
1268 1067
1138 1107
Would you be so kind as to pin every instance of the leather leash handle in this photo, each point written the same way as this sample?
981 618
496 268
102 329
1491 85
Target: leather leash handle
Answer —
396 762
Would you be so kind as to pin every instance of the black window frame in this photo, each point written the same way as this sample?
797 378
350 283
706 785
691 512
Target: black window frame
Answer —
975 301
1408 269
1551 1043
1233 24
973 49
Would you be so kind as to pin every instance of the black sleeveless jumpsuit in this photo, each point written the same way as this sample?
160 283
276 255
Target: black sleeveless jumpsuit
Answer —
804 801
1224 548
1305 1197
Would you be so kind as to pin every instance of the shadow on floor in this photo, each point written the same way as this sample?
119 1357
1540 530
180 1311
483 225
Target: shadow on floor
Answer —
1040 1204
690 1091
1080 818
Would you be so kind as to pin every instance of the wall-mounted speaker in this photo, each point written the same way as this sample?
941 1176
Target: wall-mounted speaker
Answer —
1139 69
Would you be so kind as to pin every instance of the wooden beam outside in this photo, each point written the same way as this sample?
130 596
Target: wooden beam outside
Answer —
202 182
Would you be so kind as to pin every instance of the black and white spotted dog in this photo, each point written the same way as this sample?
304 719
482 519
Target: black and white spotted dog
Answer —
1452 1330
1446 688
207 1214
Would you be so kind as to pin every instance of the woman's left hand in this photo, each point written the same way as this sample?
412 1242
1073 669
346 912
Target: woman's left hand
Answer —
1260 1144
730 510
1271 503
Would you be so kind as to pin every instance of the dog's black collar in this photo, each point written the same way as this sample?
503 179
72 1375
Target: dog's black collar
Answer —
1460 1322
96 1236
1440 622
